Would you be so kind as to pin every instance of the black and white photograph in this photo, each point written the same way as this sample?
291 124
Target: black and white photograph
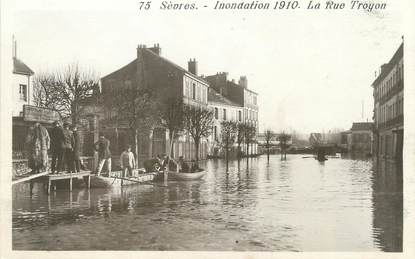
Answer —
207 126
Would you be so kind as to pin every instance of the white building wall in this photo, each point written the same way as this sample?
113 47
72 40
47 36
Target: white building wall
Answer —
17 80
232 114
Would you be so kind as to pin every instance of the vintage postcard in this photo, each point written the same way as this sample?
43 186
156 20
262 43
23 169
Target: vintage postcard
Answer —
204 128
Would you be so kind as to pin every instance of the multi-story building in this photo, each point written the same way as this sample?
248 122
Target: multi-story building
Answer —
224 110
241 95
152 71
388 109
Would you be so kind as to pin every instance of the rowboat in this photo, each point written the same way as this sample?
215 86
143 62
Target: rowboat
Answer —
178 176
116 180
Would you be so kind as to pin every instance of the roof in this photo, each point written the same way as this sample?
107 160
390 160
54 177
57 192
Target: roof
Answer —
21 68
215 97
362 126
148 51
175 65
132 63
389 66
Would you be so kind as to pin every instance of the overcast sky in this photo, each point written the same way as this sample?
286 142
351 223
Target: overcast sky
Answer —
312 69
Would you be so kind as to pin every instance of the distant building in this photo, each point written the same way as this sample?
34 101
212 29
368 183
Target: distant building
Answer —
150 70
388 114
22 85
224 110
241 95
359 139
274 143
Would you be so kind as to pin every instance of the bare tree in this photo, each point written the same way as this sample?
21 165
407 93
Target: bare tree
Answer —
198 123
250 133
240 136
171 114
65 90
43 91
269 135
283 139
135 107
228 135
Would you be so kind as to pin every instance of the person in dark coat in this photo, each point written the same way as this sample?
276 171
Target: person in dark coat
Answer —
102 146
67 147
56 144
76 149
38 143
183 167
153 164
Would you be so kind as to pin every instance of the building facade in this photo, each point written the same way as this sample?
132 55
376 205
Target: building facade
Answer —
241 95
359 139
388 114
224 110
164 78
22 85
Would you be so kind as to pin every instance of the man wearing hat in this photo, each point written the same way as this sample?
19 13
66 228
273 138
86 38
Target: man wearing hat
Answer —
67 146
56 146
102 146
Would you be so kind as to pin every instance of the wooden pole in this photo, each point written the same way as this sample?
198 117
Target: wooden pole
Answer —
49 183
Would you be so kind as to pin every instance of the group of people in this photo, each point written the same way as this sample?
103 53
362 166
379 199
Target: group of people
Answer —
63 142
65 148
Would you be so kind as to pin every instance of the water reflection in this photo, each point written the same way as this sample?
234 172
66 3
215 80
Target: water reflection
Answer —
388 206
276 206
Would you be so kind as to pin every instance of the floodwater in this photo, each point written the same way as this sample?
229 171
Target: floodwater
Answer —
293 205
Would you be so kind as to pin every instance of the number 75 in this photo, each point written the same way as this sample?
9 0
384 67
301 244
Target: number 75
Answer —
144 5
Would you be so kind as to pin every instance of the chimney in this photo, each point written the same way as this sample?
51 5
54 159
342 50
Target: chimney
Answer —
156 49
192 66
243 82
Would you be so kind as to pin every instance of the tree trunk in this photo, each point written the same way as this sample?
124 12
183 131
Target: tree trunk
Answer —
197 152
136 146
268 153
171 136
227 157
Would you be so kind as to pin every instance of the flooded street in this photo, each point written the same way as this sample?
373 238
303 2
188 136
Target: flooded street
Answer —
294 205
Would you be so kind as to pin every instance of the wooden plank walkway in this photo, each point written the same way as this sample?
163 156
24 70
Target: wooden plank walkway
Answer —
55 177
66 176
29 177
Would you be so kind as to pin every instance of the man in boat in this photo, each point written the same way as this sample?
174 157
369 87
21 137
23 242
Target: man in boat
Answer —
127 162
183 167
102 146
153 164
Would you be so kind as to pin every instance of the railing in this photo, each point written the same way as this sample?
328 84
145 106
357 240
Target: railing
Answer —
393 91
390 123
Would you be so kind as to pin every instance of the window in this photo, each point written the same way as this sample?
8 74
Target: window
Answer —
255 100
224 114
216 113
239 116
23 92
194 91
